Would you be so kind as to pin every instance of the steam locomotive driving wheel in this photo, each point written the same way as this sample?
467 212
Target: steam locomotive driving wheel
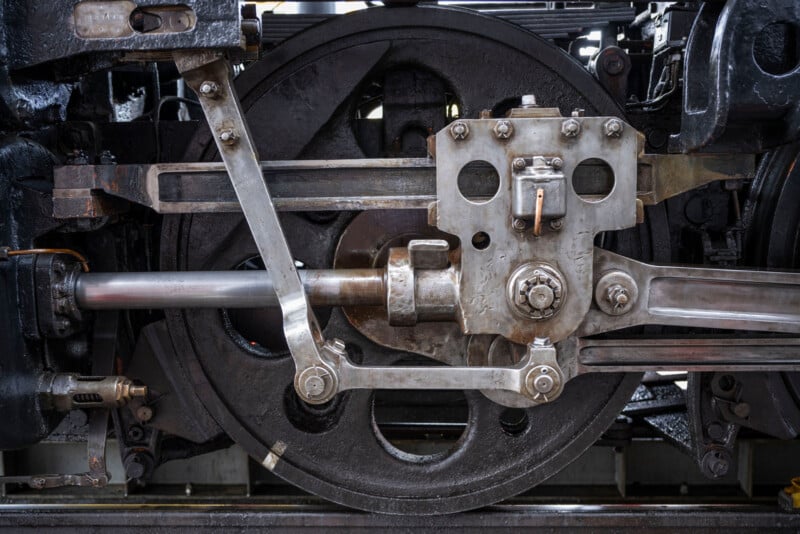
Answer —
309 99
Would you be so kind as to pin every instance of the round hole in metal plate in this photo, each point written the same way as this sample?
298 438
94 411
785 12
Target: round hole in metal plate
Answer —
478 181
776 48
593 180
481 240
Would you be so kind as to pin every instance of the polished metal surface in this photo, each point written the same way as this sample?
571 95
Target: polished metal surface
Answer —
225 117
700 297
223 289
487 265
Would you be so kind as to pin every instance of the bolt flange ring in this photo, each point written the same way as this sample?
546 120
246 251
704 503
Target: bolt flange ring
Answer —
543 383
316 384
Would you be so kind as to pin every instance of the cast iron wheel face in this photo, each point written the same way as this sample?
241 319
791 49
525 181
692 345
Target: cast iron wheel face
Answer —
300 102
773 227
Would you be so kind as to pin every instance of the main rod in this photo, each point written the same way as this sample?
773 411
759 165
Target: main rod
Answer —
223 289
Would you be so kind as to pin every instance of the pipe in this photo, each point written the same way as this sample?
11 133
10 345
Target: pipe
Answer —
223 289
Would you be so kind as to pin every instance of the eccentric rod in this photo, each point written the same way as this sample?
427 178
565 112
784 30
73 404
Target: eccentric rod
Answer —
223 289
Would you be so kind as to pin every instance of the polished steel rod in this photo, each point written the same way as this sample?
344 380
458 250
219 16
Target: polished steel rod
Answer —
223 289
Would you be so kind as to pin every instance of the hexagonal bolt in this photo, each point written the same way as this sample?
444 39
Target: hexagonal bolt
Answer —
459 130
570 128
557 224
209 89
519 164
556 163
336 346
503 129
528 101
229 137
518 225
613 128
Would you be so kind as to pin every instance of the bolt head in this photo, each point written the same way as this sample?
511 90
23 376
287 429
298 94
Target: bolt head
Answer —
518 225
519 163
570 128
540 297
228 137
503 129
459 130
613 128
528 101
144 413
556 163
741 410
209 89
556 224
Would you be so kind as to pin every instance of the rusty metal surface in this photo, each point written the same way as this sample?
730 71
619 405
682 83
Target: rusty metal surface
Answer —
354 184
664 176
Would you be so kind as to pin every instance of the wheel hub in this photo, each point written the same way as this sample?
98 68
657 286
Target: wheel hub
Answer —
338 449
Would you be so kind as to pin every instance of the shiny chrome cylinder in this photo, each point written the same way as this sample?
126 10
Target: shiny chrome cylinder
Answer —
223 289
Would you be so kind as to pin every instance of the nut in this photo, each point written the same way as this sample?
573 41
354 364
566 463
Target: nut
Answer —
616 293
503 129
536 291
618 297
228 136
209 89
613 128
570 128
459 130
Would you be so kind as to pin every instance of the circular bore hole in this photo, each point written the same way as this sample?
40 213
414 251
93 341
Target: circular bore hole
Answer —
776 48
727 383
478 181
593 180
481 240
419 425
259 331
514 421
312 418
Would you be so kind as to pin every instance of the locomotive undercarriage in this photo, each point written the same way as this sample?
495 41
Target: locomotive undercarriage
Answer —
529 250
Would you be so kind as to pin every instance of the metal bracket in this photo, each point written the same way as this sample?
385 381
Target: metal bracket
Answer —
209 75
537 377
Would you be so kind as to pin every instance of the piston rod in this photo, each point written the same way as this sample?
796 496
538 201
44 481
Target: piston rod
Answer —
223 289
